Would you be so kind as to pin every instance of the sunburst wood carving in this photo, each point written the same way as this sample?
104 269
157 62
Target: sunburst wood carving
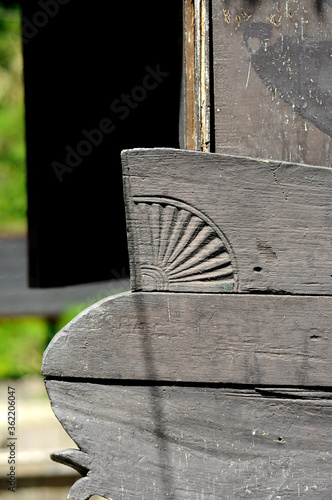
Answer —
179 249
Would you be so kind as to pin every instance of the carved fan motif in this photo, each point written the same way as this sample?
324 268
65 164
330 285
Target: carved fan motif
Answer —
179 249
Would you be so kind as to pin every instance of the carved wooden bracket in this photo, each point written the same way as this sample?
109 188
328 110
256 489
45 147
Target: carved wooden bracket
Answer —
221 223
180 249
144 381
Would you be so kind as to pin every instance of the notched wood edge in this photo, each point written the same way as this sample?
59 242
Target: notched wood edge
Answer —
277 391
306 393
76 459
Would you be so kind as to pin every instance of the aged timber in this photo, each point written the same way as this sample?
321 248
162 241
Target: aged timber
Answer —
272 79
140 442
207 338
218 223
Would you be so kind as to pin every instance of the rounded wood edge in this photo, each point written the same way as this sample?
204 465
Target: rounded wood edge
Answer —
61 337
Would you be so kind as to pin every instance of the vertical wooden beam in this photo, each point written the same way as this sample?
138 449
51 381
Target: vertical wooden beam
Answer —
205 92
189 118
195 133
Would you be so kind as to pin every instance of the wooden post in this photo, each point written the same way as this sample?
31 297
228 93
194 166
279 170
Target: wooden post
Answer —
195 132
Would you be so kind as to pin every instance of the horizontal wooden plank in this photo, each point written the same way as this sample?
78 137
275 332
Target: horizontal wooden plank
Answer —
194 443
217 223
233 338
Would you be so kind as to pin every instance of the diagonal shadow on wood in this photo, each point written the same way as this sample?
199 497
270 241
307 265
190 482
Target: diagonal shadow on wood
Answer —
156 399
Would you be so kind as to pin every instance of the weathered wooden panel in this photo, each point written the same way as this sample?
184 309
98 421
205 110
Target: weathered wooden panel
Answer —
139 379
194 443
218 223
244 339
272 79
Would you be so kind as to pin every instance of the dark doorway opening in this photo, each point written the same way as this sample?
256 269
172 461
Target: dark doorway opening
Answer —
99 78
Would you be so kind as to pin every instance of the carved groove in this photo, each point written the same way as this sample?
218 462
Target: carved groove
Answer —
76 459
180 249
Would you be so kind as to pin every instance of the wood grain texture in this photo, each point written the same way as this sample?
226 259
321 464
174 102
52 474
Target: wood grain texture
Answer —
272 72
207 338
205 77
193 443
188 136
195 112
274 219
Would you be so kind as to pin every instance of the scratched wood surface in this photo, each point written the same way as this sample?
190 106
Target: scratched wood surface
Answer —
219 223
272 73
211 379
139 380
141 442
253 339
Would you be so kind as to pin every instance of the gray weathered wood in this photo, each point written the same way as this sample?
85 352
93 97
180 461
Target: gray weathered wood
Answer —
272 79
267 225
243 339
231 269
200 223
194 443
212 378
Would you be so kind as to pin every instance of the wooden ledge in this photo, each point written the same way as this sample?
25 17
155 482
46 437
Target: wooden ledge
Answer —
192 337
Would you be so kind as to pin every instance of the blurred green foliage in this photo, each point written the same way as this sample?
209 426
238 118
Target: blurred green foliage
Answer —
13 197
22 343
23 340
